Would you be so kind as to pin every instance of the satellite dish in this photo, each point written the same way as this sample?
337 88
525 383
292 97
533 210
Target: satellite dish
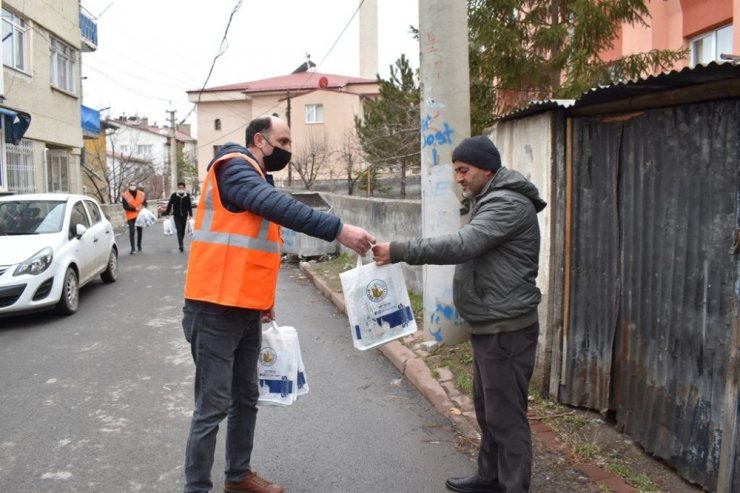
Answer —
323 82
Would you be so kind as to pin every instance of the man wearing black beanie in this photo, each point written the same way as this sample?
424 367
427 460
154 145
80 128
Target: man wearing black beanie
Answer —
496 257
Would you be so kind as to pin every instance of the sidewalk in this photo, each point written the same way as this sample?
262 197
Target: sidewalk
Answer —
552 469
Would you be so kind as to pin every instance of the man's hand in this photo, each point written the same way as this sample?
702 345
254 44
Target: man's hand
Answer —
355 238
382 253
268 315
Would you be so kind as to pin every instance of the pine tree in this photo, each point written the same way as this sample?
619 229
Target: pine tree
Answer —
390 127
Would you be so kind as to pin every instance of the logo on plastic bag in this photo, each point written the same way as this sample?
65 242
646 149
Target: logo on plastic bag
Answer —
268 357
376 290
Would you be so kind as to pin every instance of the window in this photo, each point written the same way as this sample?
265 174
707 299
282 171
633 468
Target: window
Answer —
216 150
57 171
14 41
123 149
63 63
78 216
94 211
314 113
144 150
709 46
217 124
21 176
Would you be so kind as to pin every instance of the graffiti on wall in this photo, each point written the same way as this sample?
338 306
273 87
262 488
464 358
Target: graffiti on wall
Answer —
435 135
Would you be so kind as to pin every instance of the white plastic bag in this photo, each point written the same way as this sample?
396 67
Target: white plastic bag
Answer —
145 218
281 376
378 305
191 225
168 227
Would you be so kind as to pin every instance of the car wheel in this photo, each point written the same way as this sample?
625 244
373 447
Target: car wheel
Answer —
70 293
111 272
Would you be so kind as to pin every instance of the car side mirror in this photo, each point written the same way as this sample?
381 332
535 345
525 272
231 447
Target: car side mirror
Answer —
80 230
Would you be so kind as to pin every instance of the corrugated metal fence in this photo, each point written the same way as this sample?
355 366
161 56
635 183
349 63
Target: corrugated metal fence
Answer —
653 289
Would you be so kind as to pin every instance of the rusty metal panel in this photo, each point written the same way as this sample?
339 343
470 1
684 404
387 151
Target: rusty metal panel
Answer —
653 285
589 338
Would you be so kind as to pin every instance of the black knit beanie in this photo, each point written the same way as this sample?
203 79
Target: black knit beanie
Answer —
478 151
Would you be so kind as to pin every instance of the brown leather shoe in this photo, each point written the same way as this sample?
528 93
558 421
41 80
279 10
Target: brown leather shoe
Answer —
253 484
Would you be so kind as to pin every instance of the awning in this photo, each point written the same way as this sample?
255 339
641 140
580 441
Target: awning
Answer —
90 120
15 124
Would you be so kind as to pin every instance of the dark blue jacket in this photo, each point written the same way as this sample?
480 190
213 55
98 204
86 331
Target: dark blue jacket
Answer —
242 188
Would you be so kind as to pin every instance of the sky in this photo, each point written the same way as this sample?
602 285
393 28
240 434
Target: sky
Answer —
151 51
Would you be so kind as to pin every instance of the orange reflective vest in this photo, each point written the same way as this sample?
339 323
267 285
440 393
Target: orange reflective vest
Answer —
134 202
234 256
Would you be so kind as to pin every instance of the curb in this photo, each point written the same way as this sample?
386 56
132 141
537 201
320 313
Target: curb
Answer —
448 401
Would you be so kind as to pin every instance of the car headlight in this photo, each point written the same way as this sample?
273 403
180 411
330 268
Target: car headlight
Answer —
37 264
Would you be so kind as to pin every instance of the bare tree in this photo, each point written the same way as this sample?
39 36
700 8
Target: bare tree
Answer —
350 154
122 168
312 157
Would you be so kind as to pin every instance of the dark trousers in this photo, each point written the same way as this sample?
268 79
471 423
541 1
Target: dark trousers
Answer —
139 231
180 222
503 365
225 344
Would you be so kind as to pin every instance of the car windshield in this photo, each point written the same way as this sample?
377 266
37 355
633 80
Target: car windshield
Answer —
30 217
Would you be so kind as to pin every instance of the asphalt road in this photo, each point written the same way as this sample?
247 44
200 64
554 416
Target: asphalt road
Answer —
101 401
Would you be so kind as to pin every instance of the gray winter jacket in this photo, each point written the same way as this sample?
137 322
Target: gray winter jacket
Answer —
496 253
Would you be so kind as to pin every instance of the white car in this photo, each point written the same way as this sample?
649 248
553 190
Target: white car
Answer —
51 244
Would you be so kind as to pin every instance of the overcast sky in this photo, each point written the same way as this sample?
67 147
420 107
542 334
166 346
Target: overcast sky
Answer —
151 51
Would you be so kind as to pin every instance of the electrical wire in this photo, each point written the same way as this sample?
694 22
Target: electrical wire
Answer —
222 49
301 86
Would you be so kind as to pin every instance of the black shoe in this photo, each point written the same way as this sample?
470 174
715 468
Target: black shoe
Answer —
133 252
182 249
471 484
139 248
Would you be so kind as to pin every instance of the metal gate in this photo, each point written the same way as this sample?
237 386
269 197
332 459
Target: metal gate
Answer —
653 297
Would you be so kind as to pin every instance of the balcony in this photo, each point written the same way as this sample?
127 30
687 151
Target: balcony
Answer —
89 29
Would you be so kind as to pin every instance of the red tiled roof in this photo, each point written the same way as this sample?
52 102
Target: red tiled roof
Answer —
299 81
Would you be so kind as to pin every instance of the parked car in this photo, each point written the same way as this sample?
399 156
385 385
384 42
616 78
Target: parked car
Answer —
51 245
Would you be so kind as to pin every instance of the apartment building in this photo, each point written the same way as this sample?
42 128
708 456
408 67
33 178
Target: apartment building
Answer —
40 94
705 27
138 151
319 107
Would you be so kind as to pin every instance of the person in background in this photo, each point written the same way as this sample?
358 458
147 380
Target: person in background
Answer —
181 208
494 290
230 289
133 200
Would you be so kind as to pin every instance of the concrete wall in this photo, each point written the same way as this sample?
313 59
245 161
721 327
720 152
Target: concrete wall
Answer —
387 219
526 145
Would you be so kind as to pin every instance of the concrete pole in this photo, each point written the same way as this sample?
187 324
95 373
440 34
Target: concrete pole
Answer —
368 39
445 122
173 154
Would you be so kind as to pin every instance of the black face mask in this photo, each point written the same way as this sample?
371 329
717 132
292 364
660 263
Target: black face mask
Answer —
278 160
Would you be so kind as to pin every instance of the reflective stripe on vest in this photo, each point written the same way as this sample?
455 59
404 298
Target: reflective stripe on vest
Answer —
205 233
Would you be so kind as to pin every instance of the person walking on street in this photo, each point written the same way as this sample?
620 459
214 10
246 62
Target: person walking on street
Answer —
494 289
181 208
133 200
230 290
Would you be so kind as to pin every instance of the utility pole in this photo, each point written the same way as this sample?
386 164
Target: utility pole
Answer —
290 166
173 153
445 122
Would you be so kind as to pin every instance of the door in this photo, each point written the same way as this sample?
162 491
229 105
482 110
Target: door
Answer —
86 245
101 235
